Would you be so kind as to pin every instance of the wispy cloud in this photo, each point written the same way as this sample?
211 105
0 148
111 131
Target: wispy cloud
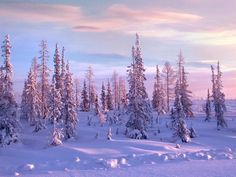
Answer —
115 17
149 21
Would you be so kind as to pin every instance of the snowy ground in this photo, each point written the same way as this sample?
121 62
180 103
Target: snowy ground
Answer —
211 154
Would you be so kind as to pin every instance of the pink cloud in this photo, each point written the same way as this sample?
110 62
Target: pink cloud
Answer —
36 13
150 15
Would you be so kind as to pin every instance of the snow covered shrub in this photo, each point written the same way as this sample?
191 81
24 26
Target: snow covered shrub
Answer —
137 134
109 134
8 132
57 137
193 133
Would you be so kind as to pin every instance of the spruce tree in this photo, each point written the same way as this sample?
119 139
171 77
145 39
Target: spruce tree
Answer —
24 104
158 100
218 97
55 101
70 106
84 99
9 124
179 126
62 83
55 113
186 95
57 71
34 113
208 107
109 99
77 91
103 97
139 109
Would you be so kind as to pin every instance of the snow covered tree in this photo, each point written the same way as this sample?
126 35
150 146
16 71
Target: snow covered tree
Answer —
77 91
103 97
180 64
179 126
158 98
44 79
63 72
186 95
122 93
55 101
97 106
55 113
115 88
169 82
8 121
184 92
208 107
218 97
35 66
70 106
84 99
62 83
34 113
57 71
91 87
109 99
26 101
139 108
23 105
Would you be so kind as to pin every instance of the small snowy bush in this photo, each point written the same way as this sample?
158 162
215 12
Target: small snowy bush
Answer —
8 132
137 134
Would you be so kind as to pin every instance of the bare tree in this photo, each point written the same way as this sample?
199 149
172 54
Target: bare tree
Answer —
169 82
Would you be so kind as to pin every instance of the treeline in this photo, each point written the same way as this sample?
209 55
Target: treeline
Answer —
55 99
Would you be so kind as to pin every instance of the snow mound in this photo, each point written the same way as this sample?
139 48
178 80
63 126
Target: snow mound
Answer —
123 161
29 167
77 159
111 163
16 174
165 158
209 157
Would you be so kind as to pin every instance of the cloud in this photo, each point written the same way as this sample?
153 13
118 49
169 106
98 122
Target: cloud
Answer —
38 13
148 21
115 17
149 15
86 28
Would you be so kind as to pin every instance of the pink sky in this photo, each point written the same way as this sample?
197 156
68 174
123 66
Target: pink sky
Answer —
101 33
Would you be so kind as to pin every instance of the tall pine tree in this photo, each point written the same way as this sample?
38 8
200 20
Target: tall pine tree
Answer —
186 95
218 97
57 72
84 99
8 121
44 79
103 97
208 107
158 98
109 98
139 108
70 106
34 102
179 126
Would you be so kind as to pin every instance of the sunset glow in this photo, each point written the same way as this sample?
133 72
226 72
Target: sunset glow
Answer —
101 35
